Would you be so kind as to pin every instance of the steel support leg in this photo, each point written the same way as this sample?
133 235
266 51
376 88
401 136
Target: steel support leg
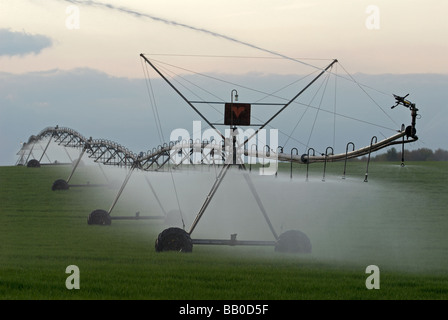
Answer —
128 176
260 204
68 155
30 153
45 150
155 195
215 187
76 165
210 195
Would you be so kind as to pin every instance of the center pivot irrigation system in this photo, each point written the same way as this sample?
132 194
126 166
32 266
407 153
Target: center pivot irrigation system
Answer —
229 150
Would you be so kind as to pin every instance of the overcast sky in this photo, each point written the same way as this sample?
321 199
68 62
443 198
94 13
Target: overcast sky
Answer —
88 52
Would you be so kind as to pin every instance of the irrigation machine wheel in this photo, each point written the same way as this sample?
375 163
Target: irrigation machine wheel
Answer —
33 163
100 217
174 239
60 184
293 241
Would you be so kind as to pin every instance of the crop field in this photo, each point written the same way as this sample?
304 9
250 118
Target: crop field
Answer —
397 221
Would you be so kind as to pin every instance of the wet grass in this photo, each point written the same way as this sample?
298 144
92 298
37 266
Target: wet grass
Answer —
42 232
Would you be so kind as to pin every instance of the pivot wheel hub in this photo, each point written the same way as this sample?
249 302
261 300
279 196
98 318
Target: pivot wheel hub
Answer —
174 239
293 241
100 217
60 184
33 164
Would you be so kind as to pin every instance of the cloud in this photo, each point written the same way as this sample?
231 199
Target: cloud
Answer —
98 105
22 43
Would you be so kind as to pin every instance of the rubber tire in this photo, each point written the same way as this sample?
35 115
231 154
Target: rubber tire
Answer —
33 164
99 217
293 241
60 184
174 239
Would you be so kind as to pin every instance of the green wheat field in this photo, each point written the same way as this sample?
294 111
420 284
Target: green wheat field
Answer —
398 221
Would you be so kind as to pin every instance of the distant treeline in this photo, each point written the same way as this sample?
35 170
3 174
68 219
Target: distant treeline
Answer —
423 154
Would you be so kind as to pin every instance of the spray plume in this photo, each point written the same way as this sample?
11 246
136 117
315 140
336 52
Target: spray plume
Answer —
183 25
